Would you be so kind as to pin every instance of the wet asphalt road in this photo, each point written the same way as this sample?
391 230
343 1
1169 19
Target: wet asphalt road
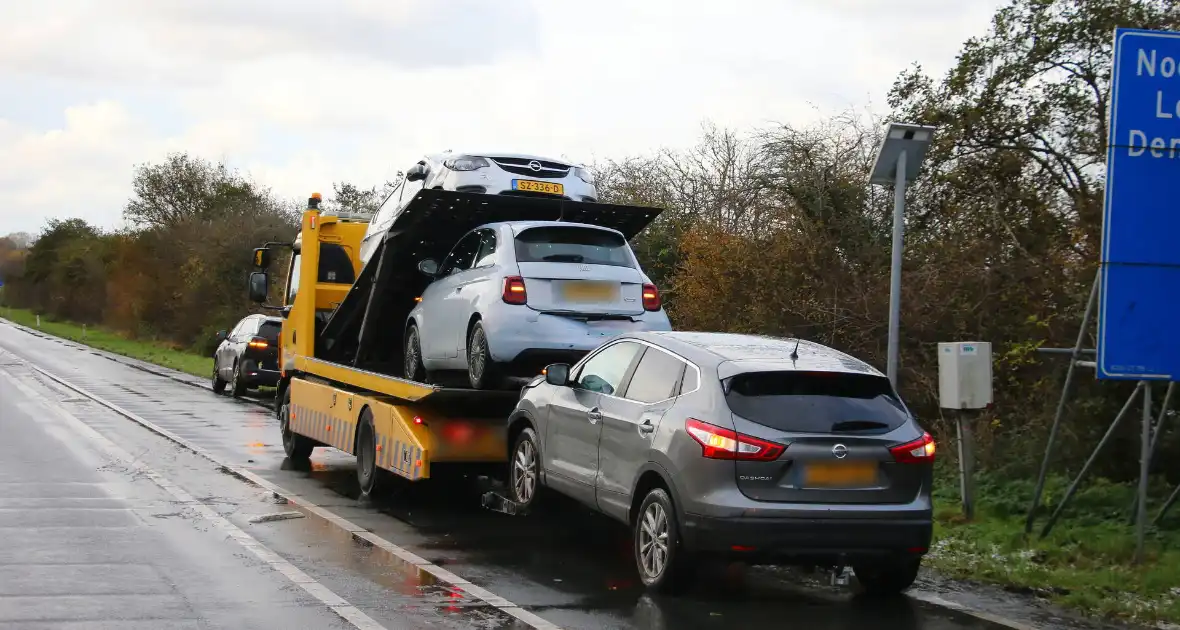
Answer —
62 507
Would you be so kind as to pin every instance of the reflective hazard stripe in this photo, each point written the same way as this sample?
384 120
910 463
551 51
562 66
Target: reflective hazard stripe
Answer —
417 466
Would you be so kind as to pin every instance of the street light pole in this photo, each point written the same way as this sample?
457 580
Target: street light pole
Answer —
899 185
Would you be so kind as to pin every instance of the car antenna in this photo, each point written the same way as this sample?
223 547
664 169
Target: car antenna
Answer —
795 352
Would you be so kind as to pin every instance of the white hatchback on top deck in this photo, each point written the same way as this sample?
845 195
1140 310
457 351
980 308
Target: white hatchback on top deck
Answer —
493 173
511 298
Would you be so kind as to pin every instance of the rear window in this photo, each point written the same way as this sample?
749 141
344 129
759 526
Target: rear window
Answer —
270 331
816 402
573 245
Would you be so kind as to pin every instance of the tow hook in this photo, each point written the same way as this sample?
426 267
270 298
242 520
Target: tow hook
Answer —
840 576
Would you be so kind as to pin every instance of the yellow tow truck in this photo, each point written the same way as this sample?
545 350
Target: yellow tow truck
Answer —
340 347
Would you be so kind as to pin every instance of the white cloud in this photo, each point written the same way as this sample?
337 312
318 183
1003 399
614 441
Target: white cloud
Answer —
301 93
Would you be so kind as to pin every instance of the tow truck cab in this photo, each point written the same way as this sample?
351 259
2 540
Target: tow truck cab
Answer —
340 349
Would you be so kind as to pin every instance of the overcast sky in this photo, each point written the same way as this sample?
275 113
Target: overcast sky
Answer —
301 93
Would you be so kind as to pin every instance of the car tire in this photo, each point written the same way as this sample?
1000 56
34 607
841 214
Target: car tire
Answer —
297 447
367 471
481 370
887 577
237 384
218 383
412 366
524 472
664 565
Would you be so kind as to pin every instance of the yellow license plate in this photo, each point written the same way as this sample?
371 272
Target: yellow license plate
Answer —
840 475
583 291
529 185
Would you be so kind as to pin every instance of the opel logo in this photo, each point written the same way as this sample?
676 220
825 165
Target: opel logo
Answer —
840 451
535 165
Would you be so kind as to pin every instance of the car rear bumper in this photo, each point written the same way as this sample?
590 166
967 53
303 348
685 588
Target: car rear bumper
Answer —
259 376
519 336
796 539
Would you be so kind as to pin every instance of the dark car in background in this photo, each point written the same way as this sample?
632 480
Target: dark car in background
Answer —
747 448
247 357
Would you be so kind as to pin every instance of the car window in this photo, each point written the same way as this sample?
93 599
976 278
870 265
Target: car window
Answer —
270 331
487 248
462 256
655 377
816 402
241 328
691 381
293 278
587 246
604 371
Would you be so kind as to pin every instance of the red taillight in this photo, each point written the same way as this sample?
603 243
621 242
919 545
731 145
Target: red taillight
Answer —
258 343
919 451
718 443
651 298
514 290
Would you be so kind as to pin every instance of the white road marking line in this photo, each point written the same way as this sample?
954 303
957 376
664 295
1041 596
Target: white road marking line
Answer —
333 601
484 595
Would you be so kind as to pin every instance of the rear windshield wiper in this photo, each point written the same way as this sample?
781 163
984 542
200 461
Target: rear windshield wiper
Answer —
858 425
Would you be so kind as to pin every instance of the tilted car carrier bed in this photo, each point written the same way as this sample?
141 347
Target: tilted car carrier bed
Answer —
339 385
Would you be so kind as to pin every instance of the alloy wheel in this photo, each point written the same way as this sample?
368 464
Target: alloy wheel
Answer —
653 540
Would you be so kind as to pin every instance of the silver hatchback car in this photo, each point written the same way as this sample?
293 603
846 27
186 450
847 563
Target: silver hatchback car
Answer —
513 297
737 447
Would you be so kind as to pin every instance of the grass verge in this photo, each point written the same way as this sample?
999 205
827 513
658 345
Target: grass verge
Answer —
156 352
1086 563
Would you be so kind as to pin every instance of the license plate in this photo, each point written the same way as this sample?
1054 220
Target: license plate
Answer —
528 185
840 475
585 291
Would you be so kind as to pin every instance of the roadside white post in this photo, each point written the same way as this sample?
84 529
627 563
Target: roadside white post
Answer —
898 161
965 383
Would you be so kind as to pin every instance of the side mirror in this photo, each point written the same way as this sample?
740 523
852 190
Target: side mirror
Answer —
428 267
259 287
261 258
221 334
557 374
416 173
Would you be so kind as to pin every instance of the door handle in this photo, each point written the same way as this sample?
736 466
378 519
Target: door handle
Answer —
647 427
594 415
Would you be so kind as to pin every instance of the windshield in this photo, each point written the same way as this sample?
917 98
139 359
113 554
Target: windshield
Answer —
587 246
816 402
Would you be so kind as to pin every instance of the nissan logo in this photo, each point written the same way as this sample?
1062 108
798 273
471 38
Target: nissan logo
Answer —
535 165
840 451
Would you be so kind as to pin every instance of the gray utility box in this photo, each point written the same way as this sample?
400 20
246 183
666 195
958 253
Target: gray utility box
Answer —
965 375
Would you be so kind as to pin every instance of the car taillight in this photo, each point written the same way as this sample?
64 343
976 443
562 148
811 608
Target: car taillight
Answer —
719 443
919 451
651 298
259 343
514 290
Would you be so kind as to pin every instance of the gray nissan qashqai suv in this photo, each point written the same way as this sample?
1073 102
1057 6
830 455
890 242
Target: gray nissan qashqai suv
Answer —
732 447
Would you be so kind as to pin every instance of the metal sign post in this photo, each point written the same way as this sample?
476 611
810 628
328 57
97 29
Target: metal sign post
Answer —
897 163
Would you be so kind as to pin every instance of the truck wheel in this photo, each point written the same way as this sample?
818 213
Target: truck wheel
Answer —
413 368
297 447
366 455
218 384
237 382
664 565
524 473
888 577
481 370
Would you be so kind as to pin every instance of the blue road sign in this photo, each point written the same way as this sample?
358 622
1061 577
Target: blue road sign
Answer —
1139 312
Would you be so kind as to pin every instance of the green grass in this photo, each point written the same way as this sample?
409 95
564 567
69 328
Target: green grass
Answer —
1086 562
157 352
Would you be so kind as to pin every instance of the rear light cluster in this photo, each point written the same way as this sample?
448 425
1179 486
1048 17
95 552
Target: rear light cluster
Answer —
258 343
719 443
514 292
651 298
920 451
